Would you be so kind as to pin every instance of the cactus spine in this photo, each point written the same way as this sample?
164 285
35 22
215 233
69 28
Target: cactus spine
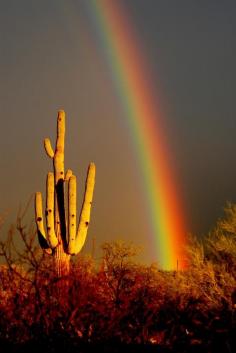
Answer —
61 238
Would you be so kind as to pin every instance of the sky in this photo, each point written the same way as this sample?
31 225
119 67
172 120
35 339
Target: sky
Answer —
51 58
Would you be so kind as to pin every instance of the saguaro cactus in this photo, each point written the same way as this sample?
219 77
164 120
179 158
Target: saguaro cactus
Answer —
61 238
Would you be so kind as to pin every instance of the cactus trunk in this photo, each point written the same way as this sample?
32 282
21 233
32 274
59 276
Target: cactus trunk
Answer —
61 239
61 262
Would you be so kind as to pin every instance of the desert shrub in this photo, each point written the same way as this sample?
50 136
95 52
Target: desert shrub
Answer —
120 301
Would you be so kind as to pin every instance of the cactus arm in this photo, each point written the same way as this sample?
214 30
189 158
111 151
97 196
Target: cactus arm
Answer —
39 222
68 174
59 153
48 148
72 214
51 236
86 208
39 213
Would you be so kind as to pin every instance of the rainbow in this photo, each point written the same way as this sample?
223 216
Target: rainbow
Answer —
143 117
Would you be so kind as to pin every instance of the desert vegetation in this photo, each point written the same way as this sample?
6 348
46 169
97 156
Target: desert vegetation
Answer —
116 304
62 237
